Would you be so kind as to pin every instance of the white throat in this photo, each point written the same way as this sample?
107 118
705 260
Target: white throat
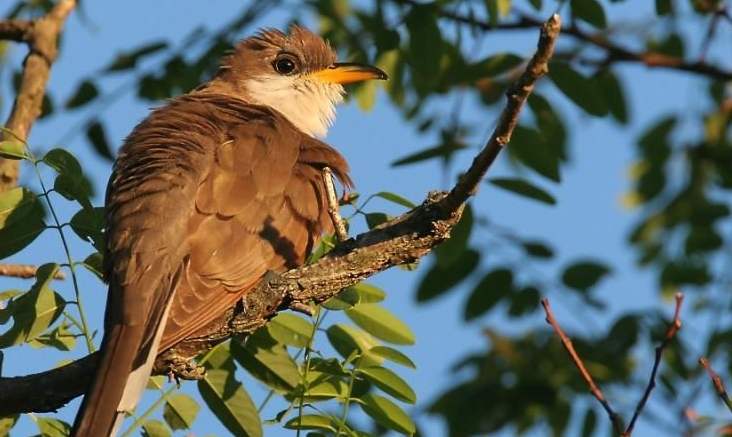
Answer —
307 103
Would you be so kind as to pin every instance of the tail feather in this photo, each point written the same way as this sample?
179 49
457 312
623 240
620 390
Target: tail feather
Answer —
99 413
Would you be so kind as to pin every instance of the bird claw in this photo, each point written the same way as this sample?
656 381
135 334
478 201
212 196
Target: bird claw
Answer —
184 368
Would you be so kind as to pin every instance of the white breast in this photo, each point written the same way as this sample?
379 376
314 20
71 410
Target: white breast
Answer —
308 104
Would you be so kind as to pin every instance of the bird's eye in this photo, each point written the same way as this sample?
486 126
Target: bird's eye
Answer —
285 64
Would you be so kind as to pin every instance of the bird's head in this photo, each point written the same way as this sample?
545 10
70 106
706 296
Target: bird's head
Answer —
295 74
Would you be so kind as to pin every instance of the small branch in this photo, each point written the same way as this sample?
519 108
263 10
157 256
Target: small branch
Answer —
516 95
24 271
42 38
671 331
401 240
614 52
15 30
594 389
717 382
338 224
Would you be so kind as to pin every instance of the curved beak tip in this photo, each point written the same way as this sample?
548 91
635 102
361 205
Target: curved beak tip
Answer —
350 72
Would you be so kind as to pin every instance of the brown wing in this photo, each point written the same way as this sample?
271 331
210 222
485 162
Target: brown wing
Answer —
260 207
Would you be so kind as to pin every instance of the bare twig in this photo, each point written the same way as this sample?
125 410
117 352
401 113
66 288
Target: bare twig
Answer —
401 240
671 331
717 382
516 95
42 38
24 271
338 224
586 376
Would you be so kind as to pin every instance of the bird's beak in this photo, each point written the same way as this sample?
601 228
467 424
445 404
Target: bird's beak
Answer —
349 72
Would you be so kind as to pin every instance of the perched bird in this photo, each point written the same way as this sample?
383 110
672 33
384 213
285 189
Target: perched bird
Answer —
208 193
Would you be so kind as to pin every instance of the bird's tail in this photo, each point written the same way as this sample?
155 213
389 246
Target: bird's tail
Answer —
121 378
101 413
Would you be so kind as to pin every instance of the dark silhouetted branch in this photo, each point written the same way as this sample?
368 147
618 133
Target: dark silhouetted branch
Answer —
399 241
15 30
586 376
671 331
615 419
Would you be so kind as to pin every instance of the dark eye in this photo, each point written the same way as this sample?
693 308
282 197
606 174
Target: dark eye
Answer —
285 64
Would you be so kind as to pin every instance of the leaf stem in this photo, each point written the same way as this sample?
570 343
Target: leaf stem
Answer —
82 315
308 348
139 421
346 403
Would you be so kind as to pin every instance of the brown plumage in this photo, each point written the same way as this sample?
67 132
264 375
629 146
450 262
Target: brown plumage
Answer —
208 193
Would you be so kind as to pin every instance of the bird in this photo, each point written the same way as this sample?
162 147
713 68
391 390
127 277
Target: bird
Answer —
210 192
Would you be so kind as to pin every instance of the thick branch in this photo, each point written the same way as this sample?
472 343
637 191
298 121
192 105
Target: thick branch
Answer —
400 241
42 39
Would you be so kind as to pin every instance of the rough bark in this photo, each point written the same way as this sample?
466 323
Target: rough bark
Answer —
42 39
401 240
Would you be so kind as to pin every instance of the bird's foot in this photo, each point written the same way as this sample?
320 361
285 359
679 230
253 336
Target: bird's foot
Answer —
339 225
184 368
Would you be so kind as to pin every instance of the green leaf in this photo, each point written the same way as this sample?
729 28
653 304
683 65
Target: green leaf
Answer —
16 205
441 151
387 413
324 386
550 125
33 312
395 198
70 181
127 60
537 249
354 295
365 95
584 92
614 95
63 162
7 423
89 224
583 275
589 423
98 138
663 7
85 93
155 428
180 411
311 421
95 264
529 147
524 301
425 44
497 9
536 4
439 279
60 338
347 340
18 236
290 329
50 427
12 149
452 250
374 219
270 364
381 323
524 188
390 383
590 11
494 286
392 355
226 397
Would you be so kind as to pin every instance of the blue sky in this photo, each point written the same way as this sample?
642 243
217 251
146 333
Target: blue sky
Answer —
589 220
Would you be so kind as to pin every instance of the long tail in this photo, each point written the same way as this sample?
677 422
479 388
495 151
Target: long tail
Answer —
102 411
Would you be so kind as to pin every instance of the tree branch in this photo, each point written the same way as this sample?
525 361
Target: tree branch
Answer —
615 419
15 30
614 51
42 38
24 271
717 382
399 241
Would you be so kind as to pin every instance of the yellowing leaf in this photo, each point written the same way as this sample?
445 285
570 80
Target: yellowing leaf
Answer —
381 323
